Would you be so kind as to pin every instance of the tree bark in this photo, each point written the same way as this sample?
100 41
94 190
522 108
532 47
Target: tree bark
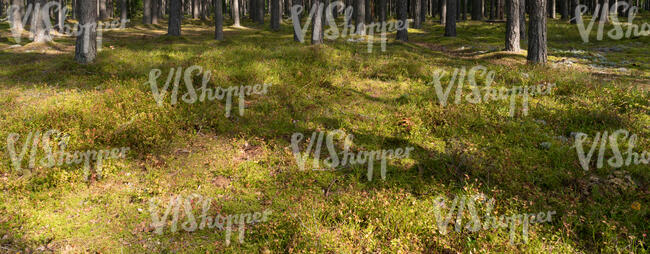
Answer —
16 17
175 13
86 44
360 17
564 9
275 15
382 10
195 9
260 11
522 19
450 25
146 11
318 22
476 10
443 12
38 27
417 20
154 12
537 52
295 32
368 12
512 26
218 20
124 10
425 8
402 13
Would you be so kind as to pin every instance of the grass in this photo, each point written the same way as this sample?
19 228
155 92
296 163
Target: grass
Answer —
383 98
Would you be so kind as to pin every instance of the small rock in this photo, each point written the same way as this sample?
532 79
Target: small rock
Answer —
545 145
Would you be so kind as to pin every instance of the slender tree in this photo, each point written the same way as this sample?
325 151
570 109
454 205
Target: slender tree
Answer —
146 11
235 13
275 15
443 12
522 19
360 14
103 14
154 11
450 25
295 32
86 45
382 10
124 9
368 12
175 13
39 14
537 51
512 26
417 20
260 11
218 19
402 13
16 15
318 22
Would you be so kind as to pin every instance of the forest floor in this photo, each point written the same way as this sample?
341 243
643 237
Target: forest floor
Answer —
525 161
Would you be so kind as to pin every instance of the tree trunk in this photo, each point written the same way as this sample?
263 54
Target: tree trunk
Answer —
318 22
260 11
124 10
235 13
382 10
61 15
16 17
175 13
552 9
572 11
295 32
443 12
38 27
476 10
146 11
604 11
368 12
425 8
85 49
275 15
360 14
537 52
417 20
512 26
195 8
154 12
450 25
402 13
218 19
522 19
564 9
102 10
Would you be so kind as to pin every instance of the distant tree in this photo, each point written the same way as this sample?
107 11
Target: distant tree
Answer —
146 11
522 19
195 8
85 49
360 14
295 32
15 17
218 19
537 51
124 9
443 12
235 13
260 11
368 11
450 25
417 11
477 7
103 14
564 9
154 11
402 13
425 8
318 22
175 13
275 15
382 10
512 26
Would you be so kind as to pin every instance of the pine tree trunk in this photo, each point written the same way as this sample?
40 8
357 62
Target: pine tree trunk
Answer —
522 19
195 9
402 13
512 26
175 13
124 10
16 17
443 12
61 16
425 7
537 52
259 5
382 10
235 13
218 19
86 45
564 9
146 11
360 17
295 32
368 12
417 20
41 33
318 22
275 15
450 25
154 12
476 10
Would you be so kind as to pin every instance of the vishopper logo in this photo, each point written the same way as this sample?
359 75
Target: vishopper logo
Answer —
462 76
348 158
58 155
332 33
206 93
468 207
617 160
220 222
42 14
617 32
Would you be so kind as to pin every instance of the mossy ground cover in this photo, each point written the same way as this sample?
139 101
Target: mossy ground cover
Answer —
385 99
